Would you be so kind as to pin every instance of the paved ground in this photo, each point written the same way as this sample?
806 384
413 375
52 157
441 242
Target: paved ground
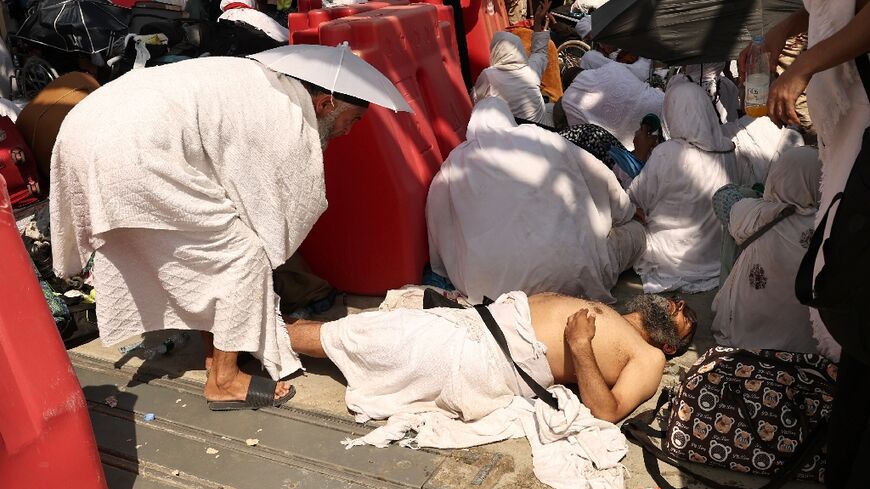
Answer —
298 445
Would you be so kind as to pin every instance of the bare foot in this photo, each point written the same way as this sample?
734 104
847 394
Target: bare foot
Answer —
235 387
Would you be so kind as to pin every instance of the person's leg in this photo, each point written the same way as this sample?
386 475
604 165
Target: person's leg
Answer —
305 338
208 348
227 383
625 244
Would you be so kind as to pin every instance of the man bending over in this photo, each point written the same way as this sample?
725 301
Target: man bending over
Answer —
411 360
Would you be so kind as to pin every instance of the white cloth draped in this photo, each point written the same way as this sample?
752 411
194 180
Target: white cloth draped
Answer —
758 143
756 306
440 373
258 20
675 190
613 98
515 77
199 156
840 112
595 59
521 208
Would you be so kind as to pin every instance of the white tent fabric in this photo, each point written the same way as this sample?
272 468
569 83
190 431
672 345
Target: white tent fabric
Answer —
521 208
675 190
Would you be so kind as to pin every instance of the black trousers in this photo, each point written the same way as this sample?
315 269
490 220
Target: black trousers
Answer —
848 461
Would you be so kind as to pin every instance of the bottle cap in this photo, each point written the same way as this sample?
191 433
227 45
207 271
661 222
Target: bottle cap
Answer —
758 39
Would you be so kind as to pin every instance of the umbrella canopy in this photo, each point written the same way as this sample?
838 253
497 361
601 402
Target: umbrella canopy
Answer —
87 26
683 32
336 69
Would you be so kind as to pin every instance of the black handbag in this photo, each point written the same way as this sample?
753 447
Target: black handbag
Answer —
842 286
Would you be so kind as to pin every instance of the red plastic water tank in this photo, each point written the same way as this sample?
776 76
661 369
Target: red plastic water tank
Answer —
46 438
481 20
373 235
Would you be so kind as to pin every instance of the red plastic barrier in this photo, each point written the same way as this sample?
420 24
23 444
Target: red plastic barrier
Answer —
46 438
482 19
373 235
303 26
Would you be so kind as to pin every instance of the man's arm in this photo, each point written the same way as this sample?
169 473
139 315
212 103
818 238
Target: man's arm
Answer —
847 44
637 382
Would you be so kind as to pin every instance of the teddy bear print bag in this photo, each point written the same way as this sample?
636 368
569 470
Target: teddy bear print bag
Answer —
762 412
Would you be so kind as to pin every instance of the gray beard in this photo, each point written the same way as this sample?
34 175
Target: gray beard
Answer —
325 126
656 318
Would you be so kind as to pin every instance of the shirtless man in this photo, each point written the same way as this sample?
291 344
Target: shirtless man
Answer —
616 360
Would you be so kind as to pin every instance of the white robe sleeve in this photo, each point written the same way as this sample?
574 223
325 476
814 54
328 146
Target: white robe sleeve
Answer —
539 58
645 189
599 177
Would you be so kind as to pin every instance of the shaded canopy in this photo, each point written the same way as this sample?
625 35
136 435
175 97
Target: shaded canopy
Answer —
681 32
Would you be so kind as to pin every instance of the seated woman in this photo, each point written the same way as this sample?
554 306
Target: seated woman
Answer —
520 208
674 191
514 76
756 307
604 146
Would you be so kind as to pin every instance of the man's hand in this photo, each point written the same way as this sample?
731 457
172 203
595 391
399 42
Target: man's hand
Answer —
783 94
580 327
541 14
639 215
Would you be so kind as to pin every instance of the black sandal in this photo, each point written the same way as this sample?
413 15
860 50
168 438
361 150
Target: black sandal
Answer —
261 393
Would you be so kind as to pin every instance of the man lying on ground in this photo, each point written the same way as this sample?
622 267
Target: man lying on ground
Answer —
414 360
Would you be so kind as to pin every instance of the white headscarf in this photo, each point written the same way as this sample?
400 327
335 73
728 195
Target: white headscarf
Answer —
793 181
521 208
758 143
584 26
688 115
506 52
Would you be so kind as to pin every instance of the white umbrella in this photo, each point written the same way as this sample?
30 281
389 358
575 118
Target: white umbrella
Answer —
336 69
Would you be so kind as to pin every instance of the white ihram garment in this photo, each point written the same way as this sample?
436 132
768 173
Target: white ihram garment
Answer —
613 98
515 77
521 208
676 188
258 20
227 180
441 374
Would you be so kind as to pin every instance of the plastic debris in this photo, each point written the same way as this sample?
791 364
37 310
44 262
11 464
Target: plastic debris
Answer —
252 442
177 401
168 345
184 405
149 417
176 472
111 401
211 451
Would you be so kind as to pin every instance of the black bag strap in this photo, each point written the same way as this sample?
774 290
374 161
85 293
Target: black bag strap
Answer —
763 229
803 283
540 391
639 431
432 299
